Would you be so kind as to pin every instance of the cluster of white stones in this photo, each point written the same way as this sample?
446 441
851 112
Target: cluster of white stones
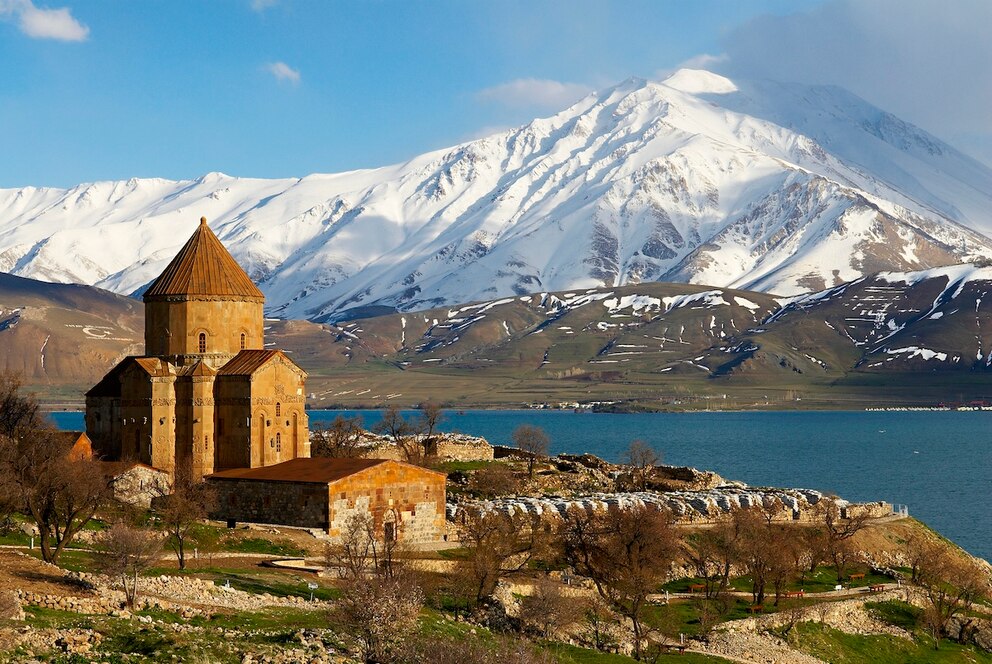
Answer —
688 505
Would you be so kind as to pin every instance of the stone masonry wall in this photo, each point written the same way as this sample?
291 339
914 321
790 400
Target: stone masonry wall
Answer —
301 504
409 496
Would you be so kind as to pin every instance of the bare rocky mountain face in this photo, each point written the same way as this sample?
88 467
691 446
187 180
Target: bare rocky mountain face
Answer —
59 335
779 188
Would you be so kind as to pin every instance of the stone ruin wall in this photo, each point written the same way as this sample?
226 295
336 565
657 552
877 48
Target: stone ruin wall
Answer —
452 447
688 507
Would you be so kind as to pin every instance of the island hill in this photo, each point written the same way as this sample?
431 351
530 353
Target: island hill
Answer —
405 545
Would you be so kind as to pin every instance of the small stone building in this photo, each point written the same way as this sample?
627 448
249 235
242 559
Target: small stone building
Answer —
79 444
406 502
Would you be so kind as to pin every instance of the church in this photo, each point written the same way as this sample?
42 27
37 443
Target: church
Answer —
207 396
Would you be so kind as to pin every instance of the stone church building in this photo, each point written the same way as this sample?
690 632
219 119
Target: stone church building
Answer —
207 395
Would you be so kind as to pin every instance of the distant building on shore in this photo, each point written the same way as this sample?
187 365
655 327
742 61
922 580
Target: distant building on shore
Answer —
207 395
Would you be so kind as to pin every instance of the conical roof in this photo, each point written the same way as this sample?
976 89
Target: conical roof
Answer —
204 267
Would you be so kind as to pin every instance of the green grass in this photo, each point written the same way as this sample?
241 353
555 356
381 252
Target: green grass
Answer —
282 618
463 466
895 612
15 538
569 654
266 632
257 583
823 579
260 545
74 561
838 647
37 616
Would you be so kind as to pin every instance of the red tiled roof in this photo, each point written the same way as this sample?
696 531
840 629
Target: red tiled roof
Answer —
110 384
309 470
204 267
247 362
152 365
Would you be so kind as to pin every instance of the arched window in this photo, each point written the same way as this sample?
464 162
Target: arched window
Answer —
243 341
203 342
278 443
278 409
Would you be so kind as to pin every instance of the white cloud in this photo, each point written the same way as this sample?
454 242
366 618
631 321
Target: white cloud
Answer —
533 93
706 61
262 5
43 23
283 72
926 62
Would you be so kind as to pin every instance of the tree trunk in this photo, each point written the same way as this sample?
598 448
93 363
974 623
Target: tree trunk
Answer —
46 547
637 637
181 553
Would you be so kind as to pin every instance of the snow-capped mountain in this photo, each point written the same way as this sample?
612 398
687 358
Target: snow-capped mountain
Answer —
758 185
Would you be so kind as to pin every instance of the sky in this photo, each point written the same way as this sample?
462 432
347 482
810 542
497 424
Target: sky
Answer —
97 90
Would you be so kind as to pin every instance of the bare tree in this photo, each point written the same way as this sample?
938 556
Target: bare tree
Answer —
61 496
354 554
341 439
838 529
380 613
951 584
127 552
782 559
499 544
533 442
712 555
642 459
187 503
363 549
921 552
401 432
493 481
19 413
765 550
626 552
548 610
426 427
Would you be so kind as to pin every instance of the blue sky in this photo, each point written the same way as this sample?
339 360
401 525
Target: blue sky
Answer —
278 88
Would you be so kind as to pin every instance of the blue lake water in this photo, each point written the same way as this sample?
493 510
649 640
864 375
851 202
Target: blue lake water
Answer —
937 463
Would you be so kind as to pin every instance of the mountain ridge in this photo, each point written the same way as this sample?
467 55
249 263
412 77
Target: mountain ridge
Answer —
896 339
643 181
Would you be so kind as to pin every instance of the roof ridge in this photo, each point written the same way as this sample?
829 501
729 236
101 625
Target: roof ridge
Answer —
204 266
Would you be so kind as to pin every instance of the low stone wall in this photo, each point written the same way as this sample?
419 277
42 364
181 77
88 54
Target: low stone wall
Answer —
139 484
174 593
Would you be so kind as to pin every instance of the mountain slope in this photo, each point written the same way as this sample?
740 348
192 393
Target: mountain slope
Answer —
778 188
891 338
65 335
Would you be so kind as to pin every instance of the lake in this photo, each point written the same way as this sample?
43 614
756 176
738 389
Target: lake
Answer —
937 463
